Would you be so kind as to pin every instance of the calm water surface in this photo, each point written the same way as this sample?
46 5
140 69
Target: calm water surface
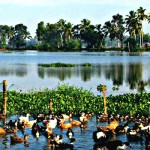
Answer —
122 69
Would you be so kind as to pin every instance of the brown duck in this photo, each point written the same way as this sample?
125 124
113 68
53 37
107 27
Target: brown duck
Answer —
15 139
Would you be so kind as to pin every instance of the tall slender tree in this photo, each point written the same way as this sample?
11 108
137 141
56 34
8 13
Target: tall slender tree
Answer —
101 35
68 31
141 16
133 25
40 31
118 28
61 29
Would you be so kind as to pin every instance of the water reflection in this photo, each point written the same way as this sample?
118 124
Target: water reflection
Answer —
128 71
131 74
16 70
134 75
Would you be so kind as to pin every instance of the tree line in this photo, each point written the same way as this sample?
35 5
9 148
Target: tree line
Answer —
64 35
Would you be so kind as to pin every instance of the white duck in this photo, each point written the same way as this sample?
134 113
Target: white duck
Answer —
24 119
50 123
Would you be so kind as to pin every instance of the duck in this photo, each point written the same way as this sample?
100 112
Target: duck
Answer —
75 122
30 123
66 117
83 118
36 127
66 145
70 133
48 132
142 127
12 124
112 126
24 119
83 126
104 129
21 126
37 135
99 137
15 139
117 145
133 136
65 126
2 131
9 130
58 139
40 117
52 123
121 128
101 117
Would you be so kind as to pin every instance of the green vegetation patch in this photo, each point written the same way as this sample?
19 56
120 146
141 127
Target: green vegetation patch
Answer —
86 65
58 64
66 98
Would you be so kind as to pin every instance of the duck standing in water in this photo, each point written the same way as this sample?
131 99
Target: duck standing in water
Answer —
100 139
117 145
15 139
70 133
63 145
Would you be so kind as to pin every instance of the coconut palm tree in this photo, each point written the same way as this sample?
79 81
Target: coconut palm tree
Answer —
133 25
118 28
68 31
107 28
141 16
101 34
85 23
61 28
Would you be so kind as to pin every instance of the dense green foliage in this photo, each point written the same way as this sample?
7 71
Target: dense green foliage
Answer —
58 64
65 36
70 98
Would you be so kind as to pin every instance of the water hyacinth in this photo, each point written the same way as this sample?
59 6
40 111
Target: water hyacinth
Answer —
73 99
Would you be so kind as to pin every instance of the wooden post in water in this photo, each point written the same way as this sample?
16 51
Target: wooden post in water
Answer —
4 96
104 94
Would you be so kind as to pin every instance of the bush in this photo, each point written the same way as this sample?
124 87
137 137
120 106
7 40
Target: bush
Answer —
72 44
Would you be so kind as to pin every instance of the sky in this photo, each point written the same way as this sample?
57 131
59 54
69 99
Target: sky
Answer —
31 12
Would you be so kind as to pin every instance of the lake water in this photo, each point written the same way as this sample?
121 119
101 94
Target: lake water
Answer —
123 69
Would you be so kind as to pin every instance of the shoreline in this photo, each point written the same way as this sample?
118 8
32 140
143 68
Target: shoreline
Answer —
79 50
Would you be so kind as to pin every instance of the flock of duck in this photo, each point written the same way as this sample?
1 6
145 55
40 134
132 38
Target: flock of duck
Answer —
136 128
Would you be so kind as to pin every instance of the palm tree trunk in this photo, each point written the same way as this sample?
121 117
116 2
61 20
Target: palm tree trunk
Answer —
129 46
140 40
